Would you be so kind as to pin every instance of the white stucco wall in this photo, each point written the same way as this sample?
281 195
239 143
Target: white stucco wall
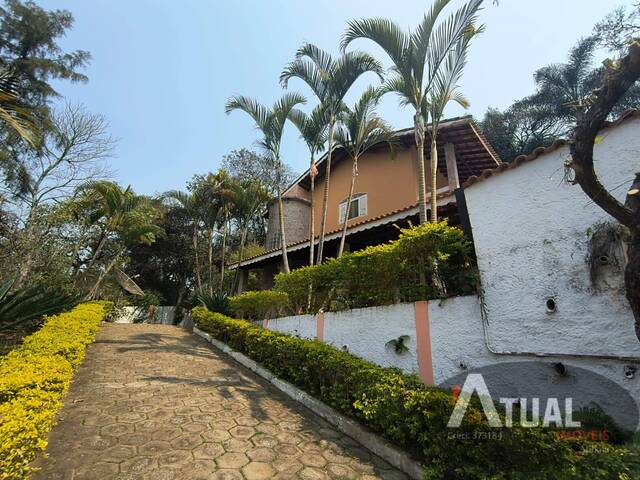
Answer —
303 326
366 331
530 233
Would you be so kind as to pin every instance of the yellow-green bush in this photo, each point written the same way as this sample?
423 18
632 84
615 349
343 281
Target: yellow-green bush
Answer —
258 305
428 261
33 380
414 416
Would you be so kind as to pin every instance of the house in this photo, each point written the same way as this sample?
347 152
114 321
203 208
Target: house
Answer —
386 196
552 319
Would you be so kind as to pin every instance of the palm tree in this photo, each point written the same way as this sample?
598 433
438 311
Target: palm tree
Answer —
330 80
443 91
360 129
192 203
312 130
417 57
271 123
221 190
15 115
249 197
127 216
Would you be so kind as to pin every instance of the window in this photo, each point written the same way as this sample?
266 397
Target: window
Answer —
358 207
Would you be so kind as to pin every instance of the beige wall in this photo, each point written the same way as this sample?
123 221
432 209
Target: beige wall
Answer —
390 184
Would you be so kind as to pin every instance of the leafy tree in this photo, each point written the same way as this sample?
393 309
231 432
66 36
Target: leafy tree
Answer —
166 266
29 37
248 200
417 58
247 165
127 217
15 115
620 77
359 130
330 79
271 123
618 29
313 132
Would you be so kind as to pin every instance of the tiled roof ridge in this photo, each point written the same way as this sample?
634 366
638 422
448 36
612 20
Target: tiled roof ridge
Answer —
539 151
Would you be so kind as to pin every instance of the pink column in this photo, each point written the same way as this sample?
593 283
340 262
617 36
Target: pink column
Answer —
265 323
320 326
423 340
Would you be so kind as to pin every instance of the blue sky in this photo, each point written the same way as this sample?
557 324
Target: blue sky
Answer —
162 69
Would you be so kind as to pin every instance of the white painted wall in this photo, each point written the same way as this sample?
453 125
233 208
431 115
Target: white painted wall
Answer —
164 315
303 326
365 331
530 232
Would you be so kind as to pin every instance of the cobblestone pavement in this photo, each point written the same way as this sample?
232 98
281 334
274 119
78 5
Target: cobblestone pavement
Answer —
153 402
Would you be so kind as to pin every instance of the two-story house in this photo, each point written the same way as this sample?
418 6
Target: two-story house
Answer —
386 196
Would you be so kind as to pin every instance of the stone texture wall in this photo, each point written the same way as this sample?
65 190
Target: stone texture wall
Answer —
296 214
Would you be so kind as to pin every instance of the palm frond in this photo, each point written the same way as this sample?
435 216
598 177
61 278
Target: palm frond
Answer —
308 72
386 33
258 112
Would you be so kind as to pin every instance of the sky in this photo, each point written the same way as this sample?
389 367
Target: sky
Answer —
162 70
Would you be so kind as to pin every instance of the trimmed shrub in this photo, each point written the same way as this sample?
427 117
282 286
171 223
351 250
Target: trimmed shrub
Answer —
431 260
259 305
413 416
33 380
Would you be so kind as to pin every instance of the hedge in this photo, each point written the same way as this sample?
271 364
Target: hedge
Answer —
431 260
258 305
33 380
413 416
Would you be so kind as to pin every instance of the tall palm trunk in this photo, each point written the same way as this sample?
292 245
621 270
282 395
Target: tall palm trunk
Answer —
196 258
354 174
419 131
283 240
434 177
243 239
312 220
224 248
325 197
210 259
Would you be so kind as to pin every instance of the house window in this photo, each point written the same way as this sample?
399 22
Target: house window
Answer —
358 207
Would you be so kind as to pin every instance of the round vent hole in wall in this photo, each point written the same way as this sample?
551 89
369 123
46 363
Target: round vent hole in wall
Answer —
551 305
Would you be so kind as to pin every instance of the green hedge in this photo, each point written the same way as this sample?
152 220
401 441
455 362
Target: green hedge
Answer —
411 415
431 260
259 305
33 380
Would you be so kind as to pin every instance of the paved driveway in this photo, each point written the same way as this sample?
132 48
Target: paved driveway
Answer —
154 402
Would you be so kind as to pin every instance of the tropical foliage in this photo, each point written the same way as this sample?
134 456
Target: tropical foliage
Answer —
33 380
414 416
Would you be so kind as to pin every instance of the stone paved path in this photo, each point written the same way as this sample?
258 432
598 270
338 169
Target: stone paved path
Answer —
153 402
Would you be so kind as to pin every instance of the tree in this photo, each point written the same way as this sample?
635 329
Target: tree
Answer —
417 57
271 123
247 165
618 29
619 77
249 199
15 115
71 153
313 132
29 38
330 80
128 217
166 266
191 203
445 90
359 130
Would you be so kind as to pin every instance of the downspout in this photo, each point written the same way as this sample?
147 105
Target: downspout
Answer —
465 223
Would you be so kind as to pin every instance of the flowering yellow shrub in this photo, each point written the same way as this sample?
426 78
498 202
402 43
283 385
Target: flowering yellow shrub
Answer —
33 381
